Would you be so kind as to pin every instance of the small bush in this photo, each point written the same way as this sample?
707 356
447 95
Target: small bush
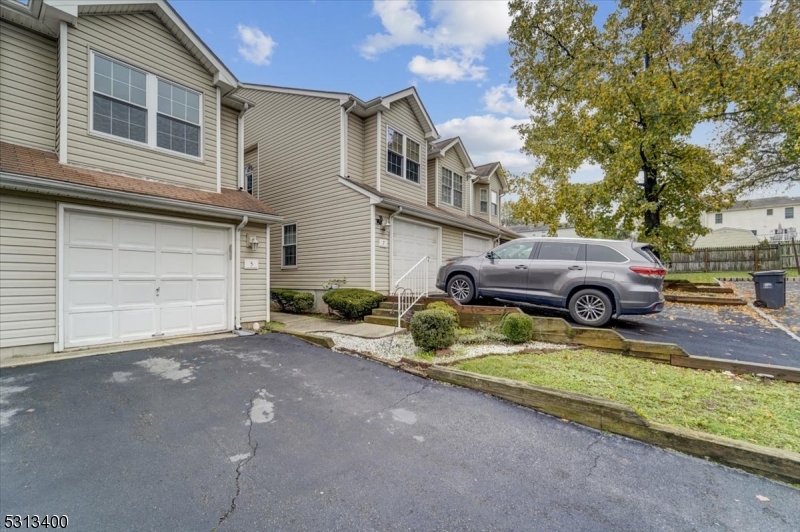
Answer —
517 328
441 305
352 303
291 301
433 329
480 335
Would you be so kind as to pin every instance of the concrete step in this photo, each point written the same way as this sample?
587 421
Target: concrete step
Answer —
388 312
389 305
382 320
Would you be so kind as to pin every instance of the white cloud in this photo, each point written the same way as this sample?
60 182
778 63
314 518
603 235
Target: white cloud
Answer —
765 9
457 34
503 100
254 46
489 138
447 69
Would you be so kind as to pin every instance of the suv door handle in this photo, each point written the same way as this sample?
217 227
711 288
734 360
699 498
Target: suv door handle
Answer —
520 267
573 268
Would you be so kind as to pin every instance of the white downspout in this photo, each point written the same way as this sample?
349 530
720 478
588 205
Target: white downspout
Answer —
372 247
268 268
237 254
63 87
219 140
240 145
391 248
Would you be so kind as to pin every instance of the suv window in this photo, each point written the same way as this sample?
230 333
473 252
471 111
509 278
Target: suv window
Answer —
595 253
559 251
514 250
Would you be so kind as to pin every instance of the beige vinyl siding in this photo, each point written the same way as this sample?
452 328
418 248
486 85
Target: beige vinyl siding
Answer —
143 42
402 119
452 162
382 262
254 282
476 203
28 87
298 162
27 271
370 167
433 180
452 242
495 186
229 147
355 147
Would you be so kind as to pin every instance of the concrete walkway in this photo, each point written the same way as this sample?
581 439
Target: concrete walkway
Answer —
312 324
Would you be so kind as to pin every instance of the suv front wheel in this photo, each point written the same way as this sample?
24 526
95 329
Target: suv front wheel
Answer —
590 307
461 288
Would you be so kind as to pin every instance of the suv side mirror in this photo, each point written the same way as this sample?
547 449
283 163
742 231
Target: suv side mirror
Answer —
491 256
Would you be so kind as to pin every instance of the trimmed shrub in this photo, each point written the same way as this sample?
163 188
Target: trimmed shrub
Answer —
433 329
291 301
441 305
517 328
352 303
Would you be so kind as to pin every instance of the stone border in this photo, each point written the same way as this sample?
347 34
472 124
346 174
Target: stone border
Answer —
610 416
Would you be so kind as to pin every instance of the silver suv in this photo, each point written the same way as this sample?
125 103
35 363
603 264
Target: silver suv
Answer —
595 279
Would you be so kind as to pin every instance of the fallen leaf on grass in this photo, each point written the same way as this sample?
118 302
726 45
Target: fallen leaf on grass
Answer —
762 498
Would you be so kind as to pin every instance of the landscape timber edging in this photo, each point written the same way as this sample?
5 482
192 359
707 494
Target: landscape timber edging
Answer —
315 339
610 416
705 300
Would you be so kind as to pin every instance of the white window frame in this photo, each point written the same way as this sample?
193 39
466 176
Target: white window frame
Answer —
248 179
283 247
717 218
495 203
452 187
152 110
786 212
483 204
769 212
404 156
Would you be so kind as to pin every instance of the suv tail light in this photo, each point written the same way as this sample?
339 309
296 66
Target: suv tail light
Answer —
650 271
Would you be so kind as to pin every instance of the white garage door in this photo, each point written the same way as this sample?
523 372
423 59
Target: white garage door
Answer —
411 242
129 278
475 245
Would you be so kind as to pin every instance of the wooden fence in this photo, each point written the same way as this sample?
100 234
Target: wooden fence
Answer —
748 258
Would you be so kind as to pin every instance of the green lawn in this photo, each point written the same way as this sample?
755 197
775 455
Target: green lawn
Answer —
708 277
737 407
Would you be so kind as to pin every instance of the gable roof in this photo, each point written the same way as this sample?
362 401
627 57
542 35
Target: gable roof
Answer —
441 147
764 203
360 107
726 237
484 173
54 11
23 168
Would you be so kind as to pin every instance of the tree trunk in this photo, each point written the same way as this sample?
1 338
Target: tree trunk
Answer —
652 218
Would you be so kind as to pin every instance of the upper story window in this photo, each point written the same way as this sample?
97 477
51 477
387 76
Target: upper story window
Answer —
402 155
495 207
248 178
718 218
452 188
484 199
137 106
289 246
789 213
769 212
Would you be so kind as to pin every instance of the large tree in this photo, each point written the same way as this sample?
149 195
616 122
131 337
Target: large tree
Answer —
625 97
764 134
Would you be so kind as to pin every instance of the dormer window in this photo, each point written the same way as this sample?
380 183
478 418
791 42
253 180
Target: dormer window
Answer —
402 156
136 106
484 195
248 179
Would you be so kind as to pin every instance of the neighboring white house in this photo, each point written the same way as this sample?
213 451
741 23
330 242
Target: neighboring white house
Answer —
543 230
775 219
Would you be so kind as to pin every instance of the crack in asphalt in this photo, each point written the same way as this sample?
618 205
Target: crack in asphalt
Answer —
596 457
407 396
240 465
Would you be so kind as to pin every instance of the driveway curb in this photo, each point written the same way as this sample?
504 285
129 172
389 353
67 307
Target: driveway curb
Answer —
610 416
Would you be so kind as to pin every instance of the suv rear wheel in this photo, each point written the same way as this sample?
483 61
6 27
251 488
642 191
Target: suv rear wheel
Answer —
590 307
461 288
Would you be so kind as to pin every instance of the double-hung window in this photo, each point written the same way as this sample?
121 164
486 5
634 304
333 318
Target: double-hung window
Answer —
788 213
495 208
484 195
138 106
402 155
289 246
718 218
452 188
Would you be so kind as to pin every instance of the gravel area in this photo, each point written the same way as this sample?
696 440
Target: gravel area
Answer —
401 345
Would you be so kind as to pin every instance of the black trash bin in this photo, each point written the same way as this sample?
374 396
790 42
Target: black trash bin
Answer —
770 288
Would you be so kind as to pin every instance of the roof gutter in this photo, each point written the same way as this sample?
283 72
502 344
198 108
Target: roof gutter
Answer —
40 185
419 213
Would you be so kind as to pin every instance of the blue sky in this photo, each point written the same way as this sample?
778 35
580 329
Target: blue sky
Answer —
454 52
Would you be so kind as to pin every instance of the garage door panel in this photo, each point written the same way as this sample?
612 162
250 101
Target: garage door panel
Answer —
90 262
208 317
90 327
175 264
137 263
210 240
176 319
175 237
134 293
84 295
211 290
210 265
175 292
411 242
136 323
136 234
90 230
475 246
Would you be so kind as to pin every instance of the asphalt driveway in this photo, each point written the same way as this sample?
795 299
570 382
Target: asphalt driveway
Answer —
269 433
731 333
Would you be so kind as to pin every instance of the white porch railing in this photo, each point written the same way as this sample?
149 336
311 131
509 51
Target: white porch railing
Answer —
411 287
